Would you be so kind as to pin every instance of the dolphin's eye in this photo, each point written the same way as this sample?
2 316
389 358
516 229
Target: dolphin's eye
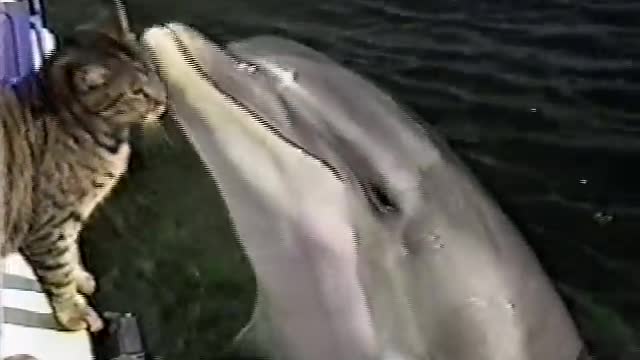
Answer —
380 199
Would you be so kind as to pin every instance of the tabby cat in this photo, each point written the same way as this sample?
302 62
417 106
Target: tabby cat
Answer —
64 143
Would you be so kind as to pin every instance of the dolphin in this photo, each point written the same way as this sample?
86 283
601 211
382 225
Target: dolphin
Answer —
368 237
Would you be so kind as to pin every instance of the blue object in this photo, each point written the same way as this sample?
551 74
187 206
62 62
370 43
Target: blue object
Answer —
24 39
15 40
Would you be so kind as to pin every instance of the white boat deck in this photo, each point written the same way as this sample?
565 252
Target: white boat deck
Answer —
22 302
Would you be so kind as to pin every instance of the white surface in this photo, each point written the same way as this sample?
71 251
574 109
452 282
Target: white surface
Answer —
48 45
44 344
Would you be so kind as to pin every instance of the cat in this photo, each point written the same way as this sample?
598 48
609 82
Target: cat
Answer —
64 143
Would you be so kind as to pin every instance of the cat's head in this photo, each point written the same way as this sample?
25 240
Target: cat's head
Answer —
102 70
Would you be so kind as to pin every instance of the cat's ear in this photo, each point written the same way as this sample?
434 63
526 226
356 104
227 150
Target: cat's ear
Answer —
111 21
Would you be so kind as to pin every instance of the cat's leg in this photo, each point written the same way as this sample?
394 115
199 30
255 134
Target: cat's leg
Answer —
51 256
85 281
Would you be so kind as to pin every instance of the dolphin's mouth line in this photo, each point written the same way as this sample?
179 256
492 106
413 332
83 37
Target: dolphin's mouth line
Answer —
193 61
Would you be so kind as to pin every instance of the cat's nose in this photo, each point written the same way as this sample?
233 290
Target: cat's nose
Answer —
156 87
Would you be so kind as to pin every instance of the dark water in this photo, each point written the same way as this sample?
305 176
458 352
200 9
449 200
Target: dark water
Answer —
541 98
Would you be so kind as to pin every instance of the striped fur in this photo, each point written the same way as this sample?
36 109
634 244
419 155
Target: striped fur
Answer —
65 134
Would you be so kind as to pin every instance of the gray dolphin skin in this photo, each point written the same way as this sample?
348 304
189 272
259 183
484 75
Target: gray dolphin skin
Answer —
368 237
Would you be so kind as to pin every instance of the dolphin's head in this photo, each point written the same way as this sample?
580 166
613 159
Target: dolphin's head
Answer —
308 101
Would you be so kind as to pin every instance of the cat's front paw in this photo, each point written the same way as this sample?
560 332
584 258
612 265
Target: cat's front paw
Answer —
85 282
73 313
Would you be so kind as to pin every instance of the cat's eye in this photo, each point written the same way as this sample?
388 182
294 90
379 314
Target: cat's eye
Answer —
92 76
138 93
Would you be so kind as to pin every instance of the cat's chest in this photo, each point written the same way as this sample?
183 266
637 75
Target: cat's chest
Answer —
105 179
115 164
